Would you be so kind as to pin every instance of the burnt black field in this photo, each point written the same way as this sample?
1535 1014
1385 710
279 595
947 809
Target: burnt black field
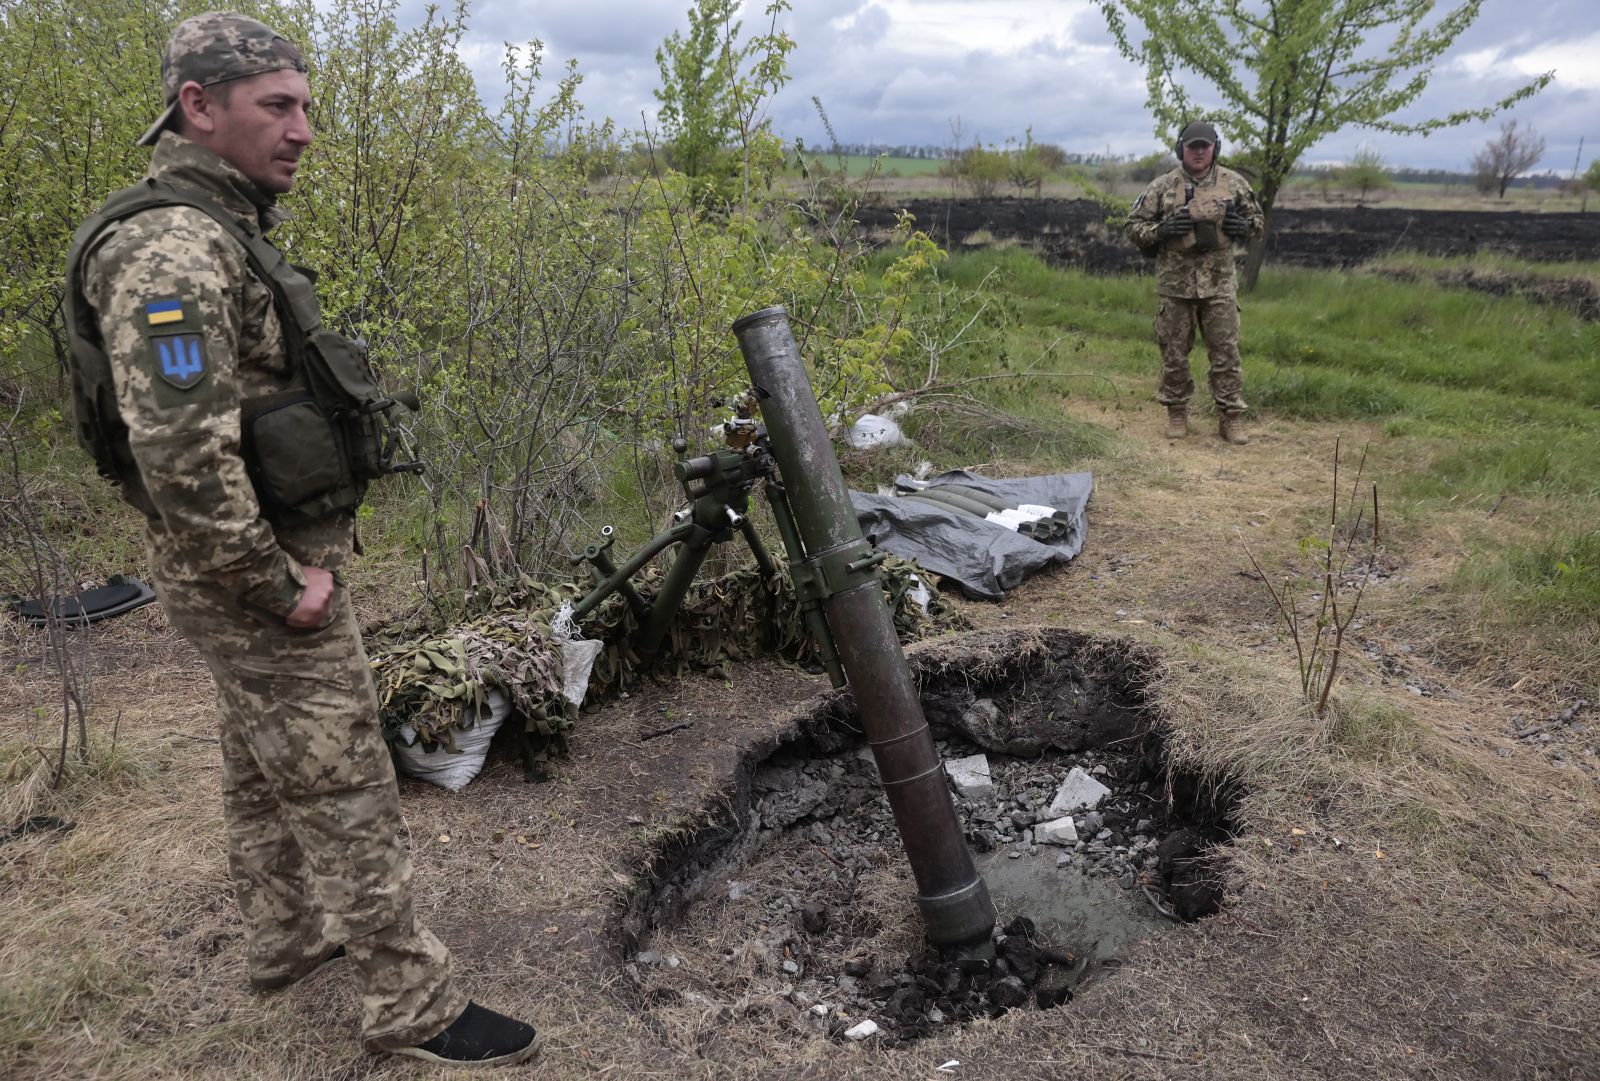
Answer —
1074 232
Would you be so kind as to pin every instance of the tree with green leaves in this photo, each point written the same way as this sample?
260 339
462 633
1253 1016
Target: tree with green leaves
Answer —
1278 76
1591 182
712 84
1025 165
1366 172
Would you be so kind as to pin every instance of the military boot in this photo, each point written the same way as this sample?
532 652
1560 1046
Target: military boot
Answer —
479 1037
1177 421
1230 426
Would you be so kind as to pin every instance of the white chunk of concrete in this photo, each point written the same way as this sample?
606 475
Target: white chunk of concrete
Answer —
862 1031
1060 832
1078 792
971 777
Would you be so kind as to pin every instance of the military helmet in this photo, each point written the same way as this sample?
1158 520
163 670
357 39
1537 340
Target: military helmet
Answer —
218 47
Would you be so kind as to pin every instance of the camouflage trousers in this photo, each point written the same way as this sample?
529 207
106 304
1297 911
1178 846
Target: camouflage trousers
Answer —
1218 320
312 810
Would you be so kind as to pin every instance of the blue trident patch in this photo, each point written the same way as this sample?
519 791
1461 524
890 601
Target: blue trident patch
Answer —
181 358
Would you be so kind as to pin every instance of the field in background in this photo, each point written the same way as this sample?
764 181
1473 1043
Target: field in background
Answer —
913 177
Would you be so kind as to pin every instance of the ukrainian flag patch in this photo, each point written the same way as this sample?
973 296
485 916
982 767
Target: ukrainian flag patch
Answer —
158 312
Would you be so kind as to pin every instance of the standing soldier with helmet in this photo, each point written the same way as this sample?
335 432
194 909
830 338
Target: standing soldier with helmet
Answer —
206 386
1189 220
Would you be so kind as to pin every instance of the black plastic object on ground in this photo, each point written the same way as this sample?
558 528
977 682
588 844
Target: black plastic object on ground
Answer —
985 559
952 896
120 594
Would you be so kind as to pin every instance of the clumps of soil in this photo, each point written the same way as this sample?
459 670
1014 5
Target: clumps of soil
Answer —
795 899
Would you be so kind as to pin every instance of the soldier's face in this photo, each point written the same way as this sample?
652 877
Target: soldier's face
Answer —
262 128
1197 156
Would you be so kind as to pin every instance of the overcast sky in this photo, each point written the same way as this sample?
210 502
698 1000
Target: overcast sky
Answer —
899 71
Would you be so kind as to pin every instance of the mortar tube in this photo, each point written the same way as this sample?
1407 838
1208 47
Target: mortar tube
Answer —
953 898
951 499
1042 526
993 502
917 497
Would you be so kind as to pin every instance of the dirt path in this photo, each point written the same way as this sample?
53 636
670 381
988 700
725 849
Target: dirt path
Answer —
1344 951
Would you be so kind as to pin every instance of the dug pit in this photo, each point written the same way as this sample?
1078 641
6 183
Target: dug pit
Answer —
794 897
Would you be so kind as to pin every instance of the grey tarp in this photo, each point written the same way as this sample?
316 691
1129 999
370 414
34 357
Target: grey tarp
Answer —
985 559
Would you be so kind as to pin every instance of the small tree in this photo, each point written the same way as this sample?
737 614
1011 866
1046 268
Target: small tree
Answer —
1365 172
1507 156
708 81
1024 166
981 168
1591 182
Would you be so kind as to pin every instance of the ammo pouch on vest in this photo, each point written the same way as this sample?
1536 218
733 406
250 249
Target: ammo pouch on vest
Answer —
311 448
312 452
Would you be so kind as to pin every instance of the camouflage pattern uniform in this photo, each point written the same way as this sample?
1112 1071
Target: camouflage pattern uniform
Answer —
309 795
1195 287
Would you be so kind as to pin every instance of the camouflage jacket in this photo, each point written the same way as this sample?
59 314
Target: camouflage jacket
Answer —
1183 272
176 262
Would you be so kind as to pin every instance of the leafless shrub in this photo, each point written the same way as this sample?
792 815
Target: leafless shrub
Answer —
1342 574
40 572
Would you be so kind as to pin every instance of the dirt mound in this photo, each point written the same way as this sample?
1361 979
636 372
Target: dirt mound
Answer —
1074 231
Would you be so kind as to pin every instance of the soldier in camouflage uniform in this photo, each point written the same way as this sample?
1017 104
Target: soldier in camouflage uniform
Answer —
168 300
1190 220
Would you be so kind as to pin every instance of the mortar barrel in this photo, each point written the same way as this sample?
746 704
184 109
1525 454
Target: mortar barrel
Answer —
951 895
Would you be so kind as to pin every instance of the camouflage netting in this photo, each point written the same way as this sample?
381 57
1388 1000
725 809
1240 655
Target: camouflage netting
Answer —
435 683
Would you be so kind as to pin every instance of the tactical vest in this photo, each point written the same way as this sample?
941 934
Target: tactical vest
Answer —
310 448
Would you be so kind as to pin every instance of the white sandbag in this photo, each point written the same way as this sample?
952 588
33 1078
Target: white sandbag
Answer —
577 655
872 430
919 593
452 770
577 661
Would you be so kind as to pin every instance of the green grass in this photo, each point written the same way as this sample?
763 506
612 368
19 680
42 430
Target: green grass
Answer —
1478 399
1502 392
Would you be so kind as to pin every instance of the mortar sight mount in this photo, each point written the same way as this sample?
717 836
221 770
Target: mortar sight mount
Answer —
717 487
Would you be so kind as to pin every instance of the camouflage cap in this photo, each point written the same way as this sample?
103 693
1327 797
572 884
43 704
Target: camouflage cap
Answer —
1198 132
215 48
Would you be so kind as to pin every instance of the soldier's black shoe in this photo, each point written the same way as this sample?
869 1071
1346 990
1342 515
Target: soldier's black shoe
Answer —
479 1037
278 983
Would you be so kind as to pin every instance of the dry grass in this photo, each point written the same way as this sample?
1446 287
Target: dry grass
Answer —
1447 956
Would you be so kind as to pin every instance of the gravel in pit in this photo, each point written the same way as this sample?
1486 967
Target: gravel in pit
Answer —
809 913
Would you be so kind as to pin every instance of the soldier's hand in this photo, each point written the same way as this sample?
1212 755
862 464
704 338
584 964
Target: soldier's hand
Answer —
1235 224
1177 225
313 610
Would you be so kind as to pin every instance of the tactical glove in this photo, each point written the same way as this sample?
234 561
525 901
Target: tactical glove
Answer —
1235 224
1176 226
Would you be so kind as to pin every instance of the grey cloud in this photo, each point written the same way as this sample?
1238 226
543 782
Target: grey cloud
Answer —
1070 85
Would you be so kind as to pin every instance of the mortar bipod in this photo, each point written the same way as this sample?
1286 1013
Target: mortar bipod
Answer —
717 486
